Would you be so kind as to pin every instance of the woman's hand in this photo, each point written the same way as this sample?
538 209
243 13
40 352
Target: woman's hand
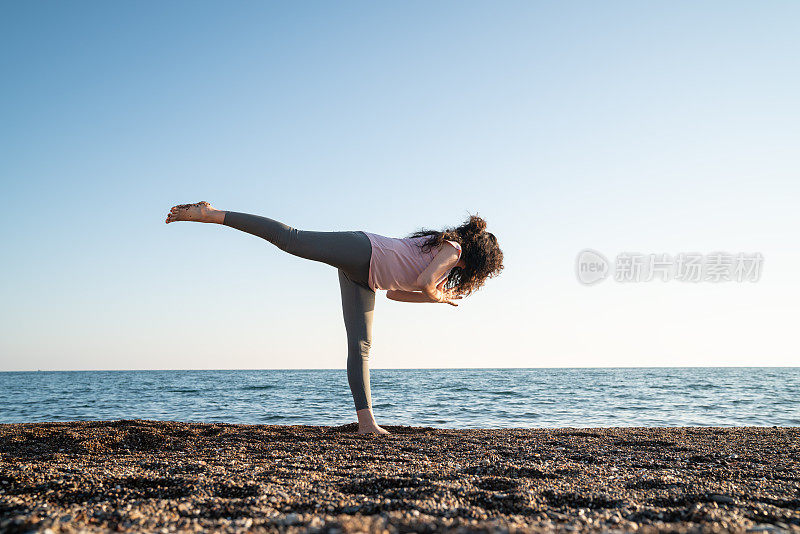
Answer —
449 297
437 294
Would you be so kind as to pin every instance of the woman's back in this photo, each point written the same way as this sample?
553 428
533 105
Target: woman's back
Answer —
397 262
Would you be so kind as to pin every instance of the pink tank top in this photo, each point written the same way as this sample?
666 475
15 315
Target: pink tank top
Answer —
396 263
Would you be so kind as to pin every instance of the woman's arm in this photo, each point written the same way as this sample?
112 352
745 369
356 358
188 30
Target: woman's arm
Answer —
407 296
415 296
445 260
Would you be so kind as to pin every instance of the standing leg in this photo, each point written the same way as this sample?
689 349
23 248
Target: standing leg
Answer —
358 306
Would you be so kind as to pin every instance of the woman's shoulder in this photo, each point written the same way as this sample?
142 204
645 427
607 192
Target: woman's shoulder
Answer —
455 244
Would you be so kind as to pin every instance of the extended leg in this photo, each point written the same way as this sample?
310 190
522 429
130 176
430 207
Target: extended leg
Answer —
358 306
348 251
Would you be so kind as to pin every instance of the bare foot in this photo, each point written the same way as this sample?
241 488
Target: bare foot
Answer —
372 429
197 212
367 424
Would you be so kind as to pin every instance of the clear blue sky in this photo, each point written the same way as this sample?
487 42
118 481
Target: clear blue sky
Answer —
620 126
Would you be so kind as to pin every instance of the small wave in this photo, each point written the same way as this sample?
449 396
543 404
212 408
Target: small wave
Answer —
183 391
265 386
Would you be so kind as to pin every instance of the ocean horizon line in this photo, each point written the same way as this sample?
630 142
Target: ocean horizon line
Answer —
402 368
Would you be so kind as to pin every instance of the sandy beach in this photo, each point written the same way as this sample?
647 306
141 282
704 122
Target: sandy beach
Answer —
171 476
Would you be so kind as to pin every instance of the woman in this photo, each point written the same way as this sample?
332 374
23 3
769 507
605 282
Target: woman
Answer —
428 266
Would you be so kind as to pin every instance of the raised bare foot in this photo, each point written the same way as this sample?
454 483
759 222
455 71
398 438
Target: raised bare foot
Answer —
197 212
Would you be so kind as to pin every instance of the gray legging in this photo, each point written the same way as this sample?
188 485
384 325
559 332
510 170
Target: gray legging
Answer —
350 253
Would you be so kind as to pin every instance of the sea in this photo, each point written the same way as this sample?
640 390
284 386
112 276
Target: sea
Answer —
441 398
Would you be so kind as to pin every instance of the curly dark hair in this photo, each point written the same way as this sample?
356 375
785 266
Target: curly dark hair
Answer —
479 249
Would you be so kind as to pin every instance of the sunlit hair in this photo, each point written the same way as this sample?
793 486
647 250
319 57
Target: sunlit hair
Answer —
479 249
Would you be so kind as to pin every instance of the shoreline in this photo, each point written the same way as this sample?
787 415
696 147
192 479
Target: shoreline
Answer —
138 475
